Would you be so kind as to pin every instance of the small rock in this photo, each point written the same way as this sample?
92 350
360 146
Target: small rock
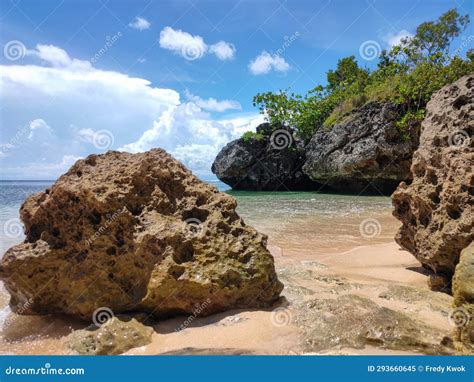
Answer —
113 337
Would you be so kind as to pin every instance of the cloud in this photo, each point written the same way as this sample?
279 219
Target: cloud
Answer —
212 104
265 62
189 46
139 23
57 57
62 108
193 47
223 50
393 39
35 151
38 127
192 136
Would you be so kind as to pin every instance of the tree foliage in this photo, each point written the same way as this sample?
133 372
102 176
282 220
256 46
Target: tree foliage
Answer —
407 74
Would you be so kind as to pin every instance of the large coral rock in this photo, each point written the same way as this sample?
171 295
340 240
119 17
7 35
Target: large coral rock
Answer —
136 232
437 208
271 163
113 337
365 153
463 292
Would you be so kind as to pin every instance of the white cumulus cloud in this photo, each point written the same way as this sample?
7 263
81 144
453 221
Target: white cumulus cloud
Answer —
266 62
192 136
223 50
140 23
57 57
212 104
193 47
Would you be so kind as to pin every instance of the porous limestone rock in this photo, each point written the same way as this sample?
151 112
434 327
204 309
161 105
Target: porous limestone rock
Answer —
136 232
113 337
437 208
268 164
365 153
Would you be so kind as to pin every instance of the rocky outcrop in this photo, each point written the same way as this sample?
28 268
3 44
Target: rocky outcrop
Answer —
437 208
462 315
365 153
113 337
136 232
271 163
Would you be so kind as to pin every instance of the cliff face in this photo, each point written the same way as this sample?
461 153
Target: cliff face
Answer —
269 164
436 210
365 153
136 232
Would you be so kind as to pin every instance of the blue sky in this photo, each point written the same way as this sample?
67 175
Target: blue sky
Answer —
81 77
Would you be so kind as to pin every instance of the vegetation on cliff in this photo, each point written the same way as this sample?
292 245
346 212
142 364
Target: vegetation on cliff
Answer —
407 74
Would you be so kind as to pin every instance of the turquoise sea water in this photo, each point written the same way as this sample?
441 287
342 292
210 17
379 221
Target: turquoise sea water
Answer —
299 220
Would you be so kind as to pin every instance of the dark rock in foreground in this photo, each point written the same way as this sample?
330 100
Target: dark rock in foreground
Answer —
437 208
366 153
136 232
270 164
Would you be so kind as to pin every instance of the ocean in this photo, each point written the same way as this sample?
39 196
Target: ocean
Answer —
328 221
